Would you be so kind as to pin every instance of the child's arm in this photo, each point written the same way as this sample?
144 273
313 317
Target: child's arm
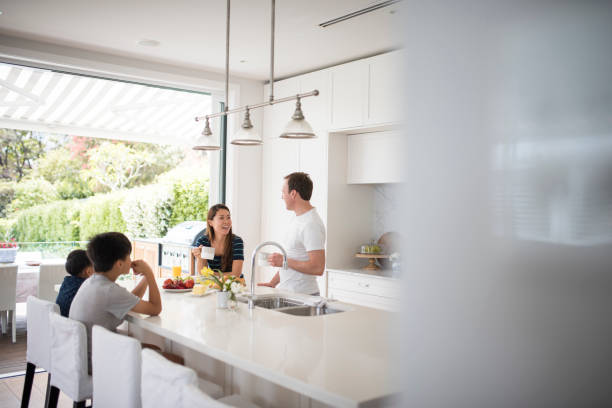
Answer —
153 306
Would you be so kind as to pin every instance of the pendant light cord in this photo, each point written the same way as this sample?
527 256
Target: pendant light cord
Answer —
272 52
227 42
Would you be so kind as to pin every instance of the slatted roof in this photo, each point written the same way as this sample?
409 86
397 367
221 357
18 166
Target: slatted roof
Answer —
42 100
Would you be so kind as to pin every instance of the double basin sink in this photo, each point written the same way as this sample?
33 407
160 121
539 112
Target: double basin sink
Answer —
291 306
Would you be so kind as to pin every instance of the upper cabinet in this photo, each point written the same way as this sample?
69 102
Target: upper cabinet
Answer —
383 79
363 92
349 94
374 158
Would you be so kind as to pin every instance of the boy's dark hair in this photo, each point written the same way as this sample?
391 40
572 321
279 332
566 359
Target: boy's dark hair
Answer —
76 262
301 183
107 248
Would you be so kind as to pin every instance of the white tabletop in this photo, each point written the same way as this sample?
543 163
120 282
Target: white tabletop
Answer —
342 359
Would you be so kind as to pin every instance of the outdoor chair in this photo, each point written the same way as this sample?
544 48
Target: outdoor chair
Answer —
8 293
38 351
51 274
69 361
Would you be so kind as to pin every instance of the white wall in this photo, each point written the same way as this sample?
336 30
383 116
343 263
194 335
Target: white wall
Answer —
243 163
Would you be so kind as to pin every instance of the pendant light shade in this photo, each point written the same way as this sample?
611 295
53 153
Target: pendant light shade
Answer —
247 135
205 141
298 128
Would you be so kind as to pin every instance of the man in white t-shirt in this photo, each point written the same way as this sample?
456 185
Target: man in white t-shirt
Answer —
304 242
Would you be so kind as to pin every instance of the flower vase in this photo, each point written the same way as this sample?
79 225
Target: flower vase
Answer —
222 299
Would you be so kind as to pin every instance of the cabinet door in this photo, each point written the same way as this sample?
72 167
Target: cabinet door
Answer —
349 94
374 158
383 99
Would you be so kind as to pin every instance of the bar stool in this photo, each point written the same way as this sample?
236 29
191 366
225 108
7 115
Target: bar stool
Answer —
38 351
115 363
69 361
163 383
8 293
193 397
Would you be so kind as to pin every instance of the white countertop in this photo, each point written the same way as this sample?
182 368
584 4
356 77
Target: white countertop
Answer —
342 359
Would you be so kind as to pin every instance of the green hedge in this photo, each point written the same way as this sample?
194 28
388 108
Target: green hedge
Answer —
139 212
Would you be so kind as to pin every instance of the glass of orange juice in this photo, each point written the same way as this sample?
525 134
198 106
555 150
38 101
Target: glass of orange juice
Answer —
176 271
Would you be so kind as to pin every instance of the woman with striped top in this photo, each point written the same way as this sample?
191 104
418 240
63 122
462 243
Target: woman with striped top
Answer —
229 248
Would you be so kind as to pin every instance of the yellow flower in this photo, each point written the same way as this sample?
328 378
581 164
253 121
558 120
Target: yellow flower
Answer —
206 271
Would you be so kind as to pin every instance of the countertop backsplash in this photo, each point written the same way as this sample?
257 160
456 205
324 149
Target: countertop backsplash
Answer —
386 209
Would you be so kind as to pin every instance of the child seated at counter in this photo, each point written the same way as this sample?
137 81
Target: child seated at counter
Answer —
103 302
79 268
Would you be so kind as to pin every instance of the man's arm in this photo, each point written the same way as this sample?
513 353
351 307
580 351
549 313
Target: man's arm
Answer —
315 265
153 306
272 284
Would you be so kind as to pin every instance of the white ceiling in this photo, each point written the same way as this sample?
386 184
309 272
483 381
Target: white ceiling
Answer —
192 33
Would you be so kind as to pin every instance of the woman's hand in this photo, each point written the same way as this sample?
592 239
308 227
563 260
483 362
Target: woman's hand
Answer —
197 251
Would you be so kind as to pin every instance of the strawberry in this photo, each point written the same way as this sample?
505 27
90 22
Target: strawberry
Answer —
189 283
167 283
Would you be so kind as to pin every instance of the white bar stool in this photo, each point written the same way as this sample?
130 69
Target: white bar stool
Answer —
115 363
8 293
69 361
163 383
38 351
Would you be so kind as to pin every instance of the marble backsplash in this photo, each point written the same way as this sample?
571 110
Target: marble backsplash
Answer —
386 209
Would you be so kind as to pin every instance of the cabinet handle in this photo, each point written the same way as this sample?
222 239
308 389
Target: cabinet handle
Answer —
363 285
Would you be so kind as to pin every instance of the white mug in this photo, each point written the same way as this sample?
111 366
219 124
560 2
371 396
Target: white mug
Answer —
207 252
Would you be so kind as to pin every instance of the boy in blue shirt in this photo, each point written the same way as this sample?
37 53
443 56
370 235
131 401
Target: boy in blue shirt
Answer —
79 267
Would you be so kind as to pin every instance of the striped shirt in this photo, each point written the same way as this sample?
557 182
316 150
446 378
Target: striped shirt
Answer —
237 252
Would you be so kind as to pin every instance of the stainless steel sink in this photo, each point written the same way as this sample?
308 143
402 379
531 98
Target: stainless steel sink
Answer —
290 306
309 310
274 302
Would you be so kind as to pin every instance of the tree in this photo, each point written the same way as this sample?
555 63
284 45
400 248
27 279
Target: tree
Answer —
114 166
64 170
18 150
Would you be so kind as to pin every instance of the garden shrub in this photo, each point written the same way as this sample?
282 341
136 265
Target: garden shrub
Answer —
7 193
32 192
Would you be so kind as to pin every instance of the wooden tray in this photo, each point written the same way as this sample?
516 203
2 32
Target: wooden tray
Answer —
371 266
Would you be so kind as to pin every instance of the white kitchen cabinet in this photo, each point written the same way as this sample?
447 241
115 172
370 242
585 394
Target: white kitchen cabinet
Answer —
374 157
349 94
366 289
383 102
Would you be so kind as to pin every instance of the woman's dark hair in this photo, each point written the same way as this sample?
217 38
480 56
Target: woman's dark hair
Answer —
76 262
301 183
228 255
107 248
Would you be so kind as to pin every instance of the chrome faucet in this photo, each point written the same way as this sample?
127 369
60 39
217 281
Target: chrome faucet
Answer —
254 258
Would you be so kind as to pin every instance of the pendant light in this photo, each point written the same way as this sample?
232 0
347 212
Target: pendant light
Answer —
298 128
247 135
204 141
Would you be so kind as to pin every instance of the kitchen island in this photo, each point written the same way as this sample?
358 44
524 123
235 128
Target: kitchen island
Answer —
276 359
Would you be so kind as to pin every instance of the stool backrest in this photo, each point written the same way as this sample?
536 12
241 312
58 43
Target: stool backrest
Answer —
39 331
162 380
69 357
116 363
8 287
50 274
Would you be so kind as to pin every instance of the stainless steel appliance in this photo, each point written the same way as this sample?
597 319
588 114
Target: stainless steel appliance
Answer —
176 245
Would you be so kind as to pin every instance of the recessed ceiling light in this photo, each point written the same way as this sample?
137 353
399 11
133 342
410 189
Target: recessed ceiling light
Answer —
148 43
243 61
0 12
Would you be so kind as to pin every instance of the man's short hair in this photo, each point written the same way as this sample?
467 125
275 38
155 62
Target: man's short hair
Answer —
77 261
107 248
301 183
